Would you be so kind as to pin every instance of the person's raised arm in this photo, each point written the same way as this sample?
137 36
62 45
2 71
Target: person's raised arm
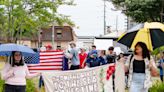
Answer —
29 75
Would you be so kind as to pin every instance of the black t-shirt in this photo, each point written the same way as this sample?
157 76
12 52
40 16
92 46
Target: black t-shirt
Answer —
138 66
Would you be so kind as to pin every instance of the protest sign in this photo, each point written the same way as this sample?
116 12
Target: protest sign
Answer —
98 79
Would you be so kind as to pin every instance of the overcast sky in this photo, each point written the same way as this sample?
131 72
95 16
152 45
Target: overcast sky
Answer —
88 16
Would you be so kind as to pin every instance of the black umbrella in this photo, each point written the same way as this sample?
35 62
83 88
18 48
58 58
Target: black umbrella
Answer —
152 34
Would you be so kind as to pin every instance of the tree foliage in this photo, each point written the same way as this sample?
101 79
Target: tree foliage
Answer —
26 17
158 50
141 10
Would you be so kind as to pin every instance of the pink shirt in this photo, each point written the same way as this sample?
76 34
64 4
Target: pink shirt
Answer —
16 75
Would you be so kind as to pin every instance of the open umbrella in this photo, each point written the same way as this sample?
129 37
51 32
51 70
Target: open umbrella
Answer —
150 33
6 49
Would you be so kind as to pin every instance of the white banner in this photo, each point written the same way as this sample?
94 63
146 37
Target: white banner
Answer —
98 79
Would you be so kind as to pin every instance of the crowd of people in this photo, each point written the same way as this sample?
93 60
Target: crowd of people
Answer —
91 59
139 66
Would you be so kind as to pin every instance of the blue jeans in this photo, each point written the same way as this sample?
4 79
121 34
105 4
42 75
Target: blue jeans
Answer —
137 84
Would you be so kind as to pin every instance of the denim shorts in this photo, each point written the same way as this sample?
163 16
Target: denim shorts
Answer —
137 84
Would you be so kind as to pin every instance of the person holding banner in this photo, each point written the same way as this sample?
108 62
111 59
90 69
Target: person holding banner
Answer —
111 56
141 67
82 56
15 73
102 57
74 57
92 56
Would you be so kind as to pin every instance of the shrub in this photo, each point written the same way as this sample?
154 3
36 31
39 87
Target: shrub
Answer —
1 85
157 87
30 86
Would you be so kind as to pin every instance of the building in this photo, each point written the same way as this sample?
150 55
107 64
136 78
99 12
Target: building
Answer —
85 42
63 35
102 42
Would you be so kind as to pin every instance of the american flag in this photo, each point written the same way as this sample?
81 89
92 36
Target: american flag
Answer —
45 61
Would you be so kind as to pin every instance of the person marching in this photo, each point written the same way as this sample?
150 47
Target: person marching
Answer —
74 57
160 66
92 58
102 57
82 56
140 68
15 73
111 56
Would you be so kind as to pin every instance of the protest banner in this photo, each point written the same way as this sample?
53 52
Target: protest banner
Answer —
97 79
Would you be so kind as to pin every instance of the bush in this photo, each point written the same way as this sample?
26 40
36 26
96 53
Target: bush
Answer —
157 87
30 87
1 85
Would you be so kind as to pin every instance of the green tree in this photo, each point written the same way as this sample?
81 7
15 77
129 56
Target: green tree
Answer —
141 10
158 50
21 18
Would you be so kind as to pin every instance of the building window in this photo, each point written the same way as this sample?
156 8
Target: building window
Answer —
59 33
58 45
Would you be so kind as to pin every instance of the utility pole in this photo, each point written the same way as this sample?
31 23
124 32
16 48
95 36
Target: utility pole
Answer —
104 17
116 20
117 23
53 36
39 38
53 33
